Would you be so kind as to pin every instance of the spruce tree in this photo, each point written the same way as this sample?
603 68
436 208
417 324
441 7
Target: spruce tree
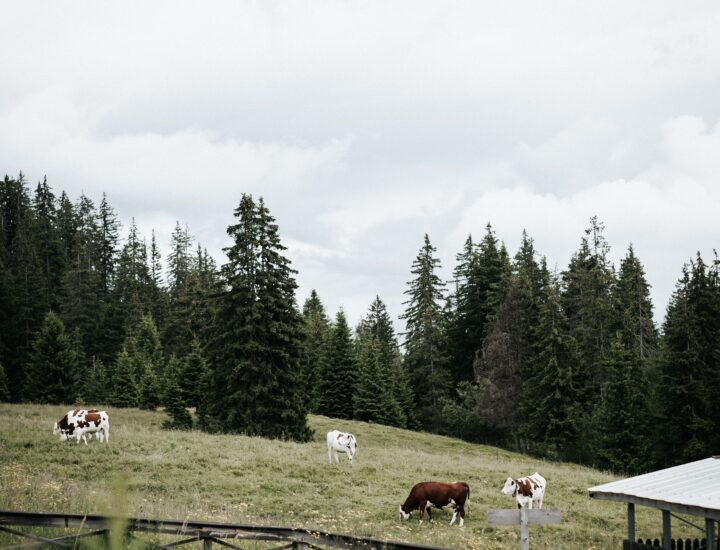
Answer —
556 420
426 356
149 391
371 397
180 418
193 376
51 375
124 390
257 347
98 383
587 301
377 327
316 327
338 377
689 367
4 387
178 332
482 277
623 423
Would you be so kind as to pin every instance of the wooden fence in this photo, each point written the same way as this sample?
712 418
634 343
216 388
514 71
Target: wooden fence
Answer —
675 544
208 533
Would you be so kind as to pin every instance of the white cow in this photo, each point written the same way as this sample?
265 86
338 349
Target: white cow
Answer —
526 490
339 442
79 423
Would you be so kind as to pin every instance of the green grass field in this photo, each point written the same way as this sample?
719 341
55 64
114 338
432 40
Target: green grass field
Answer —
228 478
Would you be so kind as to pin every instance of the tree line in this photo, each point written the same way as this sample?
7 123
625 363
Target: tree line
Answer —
567 365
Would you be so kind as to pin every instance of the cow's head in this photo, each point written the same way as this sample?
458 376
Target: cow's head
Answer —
351 446
510 487
403 514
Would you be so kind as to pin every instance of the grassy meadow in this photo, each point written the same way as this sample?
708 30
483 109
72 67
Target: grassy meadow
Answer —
228 478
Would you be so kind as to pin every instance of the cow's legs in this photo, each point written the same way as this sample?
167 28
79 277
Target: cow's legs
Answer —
462 515
423 505
329 455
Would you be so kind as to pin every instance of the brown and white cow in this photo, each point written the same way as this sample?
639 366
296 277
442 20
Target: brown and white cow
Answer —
427 494
80 422
341 442
526 490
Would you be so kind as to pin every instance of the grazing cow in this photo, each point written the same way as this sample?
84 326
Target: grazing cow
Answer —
339 442
79 423
526 490
427 494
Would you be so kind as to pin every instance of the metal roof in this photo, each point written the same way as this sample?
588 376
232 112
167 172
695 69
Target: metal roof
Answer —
692 488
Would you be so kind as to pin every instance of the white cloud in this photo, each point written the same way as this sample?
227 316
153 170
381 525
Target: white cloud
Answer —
366 125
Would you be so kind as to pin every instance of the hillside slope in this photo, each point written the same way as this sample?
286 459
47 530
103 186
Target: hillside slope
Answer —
179 475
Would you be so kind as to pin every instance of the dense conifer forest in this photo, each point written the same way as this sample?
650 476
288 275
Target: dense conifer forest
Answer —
566 365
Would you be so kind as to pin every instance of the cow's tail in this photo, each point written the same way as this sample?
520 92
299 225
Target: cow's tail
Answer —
467 498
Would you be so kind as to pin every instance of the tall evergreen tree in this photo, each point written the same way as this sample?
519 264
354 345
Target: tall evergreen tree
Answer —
689 368
557 419
124 388
426 357
317 330
180 418
482 277
193 376
338 375
51 375
377 327
256 353
623 426
587 302
4 386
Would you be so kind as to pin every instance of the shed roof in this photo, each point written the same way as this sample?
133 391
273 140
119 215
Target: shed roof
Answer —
692 488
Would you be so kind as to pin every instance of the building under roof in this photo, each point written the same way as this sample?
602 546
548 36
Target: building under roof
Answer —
692 488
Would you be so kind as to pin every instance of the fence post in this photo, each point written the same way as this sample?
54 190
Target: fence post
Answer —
207 544
524 529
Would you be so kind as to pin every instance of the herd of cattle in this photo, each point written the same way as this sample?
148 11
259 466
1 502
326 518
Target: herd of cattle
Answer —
423 496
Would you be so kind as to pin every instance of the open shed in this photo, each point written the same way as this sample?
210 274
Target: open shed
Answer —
692 488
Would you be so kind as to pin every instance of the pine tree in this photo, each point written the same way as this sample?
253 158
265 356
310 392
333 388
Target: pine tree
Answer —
4 387
149 391
180 418
97 386
426 357
377 327
504 367
338 377
554 426
257 347
482 277
371 397
124 390
51 375
623 443
587 302
193 377
316 327
689 367
48 246
178 333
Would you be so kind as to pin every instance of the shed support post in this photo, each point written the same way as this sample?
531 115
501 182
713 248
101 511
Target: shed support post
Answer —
666 529
524 529
710 534
631 521
207 544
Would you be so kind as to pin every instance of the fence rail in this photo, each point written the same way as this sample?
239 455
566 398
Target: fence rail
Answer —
675 544
206 531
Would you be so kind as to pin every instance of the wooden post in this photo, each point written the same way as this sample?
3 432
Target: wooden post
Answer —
666 529
524 530
525 517
207 544
710 534
631 521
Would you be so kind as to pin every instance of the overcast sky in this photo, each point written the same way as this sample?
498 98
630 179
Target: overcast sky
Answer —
365 125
